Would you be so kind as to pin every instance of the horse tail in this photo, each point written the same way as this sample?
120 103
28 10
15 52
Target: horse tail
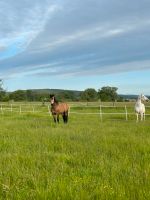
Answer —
67 112
65 116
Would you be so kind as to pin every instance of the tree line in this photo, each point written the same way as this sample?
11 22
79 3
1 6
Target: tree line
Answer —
106 93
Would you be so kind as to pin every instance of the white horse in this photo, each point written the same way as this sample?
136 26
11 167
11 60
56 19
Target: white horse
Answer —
140 107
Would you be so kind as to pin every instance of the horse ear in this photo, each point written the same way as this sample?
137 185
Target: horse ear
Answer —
51 95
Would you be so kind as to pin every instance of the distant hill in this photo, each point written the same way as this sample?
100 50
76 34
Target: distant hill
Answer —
60 94
55 91
131 96
128 96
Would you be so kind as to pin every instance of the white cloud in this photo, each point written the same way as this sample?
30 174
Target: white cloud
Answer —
67 70
24 26
95 32
73 37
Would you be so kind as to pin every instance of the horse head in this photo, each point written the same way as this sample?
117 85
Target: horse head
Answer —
143 97
53 99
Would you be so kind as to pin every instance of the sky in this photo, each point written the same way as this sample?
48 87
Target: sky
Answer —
64 44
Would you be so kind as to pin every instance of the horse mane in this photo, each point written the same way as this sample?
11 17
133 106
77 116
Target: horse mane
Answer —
56 101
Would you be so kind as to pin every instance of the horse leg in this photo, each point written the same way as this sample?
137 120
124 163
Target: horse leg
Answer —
63 115
144 116
58 118
66 116
141 116
54 117
137 117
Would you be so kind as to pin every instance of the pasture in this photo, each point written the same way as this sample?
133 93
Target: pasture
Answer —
89 158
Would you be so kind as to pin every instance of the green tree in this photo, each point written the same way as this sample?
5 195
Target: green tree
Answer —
66 95
30 95
108 93
18 95
89 94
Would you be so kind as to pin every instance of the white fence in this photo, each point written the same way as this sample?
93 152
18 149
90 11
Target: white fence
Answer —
38 108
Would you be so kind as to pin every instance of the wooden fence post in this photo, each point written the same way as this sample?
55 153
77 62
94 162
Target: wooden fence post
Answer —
69 111
33 109
126 113
20 109
11 108
49 110
1 109
100 112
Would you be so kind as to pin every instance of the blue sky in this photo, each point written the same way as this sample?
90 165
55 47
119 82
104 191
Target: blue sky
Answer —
75 44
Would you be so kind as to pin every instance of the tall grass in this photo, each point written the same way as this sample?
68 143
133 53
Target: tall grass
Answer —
85 159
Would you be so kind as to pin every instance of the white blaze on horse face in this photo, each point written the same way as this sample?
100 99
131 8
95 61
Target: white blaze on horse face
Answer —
52 100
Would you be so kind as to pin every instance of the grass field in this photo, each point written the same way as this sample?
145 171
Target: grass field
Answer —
85 159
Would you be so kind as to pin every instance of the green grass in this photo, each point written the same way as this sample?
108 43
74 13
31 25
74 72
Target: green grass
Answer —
85 159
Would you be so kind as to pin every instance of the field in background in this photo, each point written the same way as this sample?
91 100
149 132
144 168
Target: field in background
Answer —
85 159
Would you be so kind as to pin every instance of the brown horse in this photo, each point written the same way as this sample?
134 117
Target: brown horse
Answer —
59 109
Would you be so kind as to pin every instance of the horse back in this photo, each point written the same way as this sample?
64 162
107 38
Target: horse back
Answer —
64 107
61 108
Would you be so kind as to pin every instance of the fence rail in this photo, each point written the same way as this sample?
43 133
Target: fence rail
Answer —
38 108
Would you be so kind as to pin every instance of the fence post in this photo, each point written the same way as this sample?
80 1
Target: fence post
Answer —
100 112
69 111
1 109
49 110
11 108
33 109
20 109
126 113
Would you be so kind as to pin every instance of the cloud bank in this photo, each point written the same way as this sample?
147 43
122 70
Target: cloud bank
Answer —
73 38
